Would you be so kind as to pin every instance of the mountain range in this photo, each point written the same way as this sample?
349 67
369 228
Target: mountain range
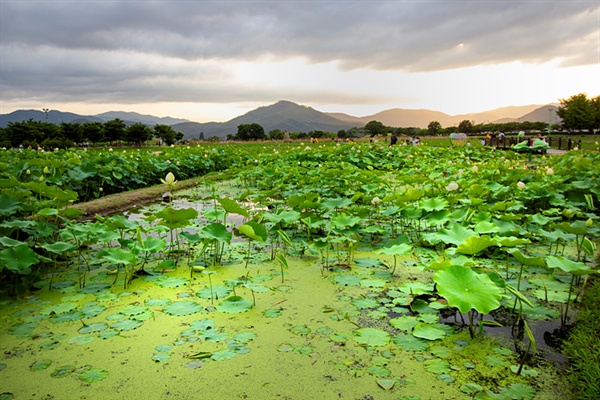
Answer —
286 115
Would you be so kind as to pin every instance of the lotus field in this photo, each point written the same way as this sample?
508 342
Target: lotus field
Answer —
310 271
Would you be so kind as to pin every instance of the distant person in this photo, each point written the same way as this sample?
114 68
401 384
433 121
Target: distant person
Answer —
394 139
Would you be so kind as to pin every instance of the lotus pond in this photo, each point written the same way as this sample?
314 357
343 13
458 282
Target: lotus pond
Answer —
321 271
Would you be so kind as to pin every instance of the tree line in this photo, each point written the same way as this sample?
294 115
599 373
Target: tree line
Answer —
41 134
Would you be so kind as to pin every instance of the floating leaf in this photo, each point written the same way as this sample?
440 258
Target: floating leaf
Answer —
272 313
218 292
93 375
40 365
223 355
302 350
93 328
347 280
405 323
386 384
409 342
234 305
182 308
371 337
437 366
58 308
365 303
378 371
475 245
245 337
429 332
160 357
126 325
171 281
63 371
80 340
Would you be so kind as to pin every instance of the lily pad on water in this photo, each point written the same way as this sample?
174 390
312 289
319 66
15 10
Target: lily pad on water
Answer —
80 340
405 323
58 308
93 375
234 305
93 328
22 330
409 342
40 365
69 316
223 355
126 325
161 357
429 332
347 280
245 337
218 292
367 262
171 281
437 366
62 371
371 337
92 310
365 303
272 313
182 308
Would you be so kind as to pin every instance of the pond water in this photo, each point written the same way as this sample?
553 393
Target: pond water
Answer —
255 332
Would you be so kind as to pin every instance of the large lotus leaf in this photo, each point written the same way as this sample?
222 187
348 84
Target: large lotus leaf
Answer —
576 227
465 289
396 250
526 260
9 205
434 204
342 220
339 202
412 212
486 227
429 332
154 244
126 325
82 172
347 280
457 235
539 219
59 247
174 219
217 292
217 231
254 231
18 259
232 207
438 217
118 255
371 337
234 305
566 265
191 237
475 245
510 241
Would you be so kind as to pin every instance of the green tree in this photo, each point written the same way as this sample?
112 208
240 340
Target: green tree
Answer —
92 132
165 133
374 128
276 134
138 133
250 132
465 126
578 113
201 137
72 131
114 130
434 128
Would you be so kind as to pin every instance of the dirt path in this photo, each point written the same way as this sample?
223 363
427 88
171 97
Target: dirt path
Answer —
119 202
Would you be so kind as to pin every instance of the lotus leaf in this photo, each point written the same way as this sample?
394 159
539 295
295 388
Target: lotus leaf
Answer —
347 280
245 337
68 316
365 303
80 340
40 365
126 325
405 323
62 371
58 308
437 366
374 283
171 281
429 332
409 342
254 231
93 375
218 292
474 245
9 205
161 357
217 231
518 391
457 235
272 313
93 328
203 325
371 337
234 305
378 371
174 219
223 355
182 308
566 265
18 259
232 207
465 289
526 260
367 262
471 388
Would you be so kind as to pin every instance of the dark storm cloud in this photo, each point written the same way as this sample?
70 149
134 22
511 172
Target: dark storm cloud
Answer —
99 46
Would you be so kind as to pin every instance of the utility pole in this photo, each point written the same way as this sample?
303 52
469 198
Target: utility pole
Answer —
46 111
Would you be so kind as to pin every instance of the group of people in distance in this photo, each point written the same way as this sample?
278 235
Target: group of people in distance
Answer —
413 140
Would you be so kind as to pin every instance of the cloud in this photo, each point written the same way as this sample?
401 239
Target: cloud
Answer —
190 51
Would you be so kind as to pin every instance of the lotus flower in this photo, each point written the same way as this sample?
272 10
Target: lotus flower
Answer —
375 201
550 171
520 185
169 179
452 186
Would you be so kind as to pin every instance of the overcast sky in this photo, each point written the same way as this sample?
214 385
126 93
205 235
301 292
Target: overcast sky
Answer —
214 60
